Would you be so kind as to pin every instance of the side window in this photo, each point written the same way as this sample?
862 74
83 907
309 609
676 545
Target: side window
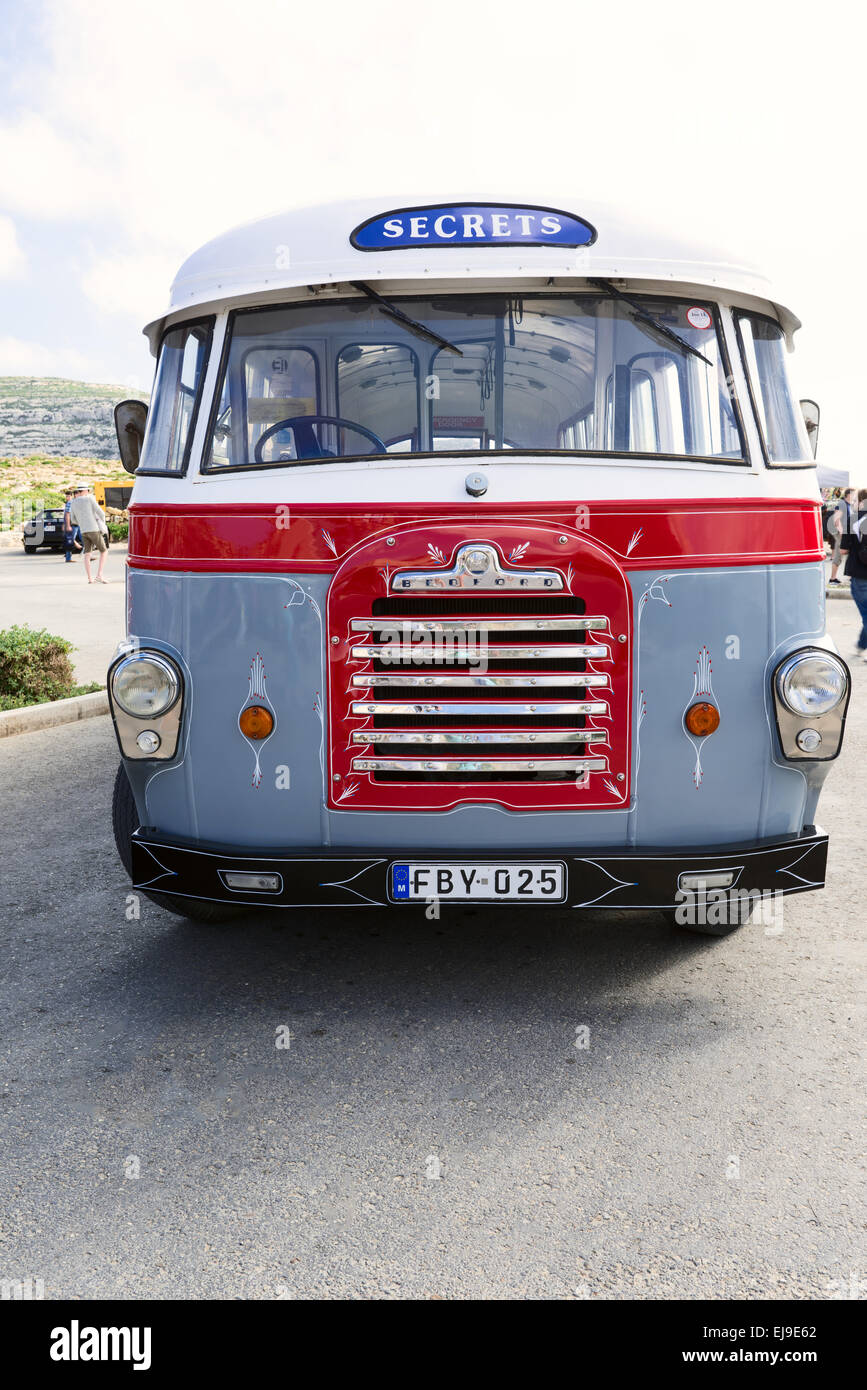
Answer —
656 416
676 400
377 387
578 431
668 403
271 384
462 415
643 426
279 384
177 391
779 416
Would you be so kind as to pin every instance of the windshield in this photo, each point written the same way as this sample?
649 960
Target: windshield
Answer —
558 373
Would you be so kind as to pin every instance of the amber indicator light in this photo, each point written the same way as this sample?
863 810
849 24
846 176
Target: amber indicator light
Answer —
702 719
256 722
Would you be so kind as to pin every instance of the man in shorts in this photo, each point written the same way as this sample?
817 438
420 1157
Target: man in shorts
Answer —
89 517
839 526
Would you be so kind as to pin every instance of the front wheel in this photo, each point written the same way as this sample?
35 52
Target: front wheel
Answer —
124 819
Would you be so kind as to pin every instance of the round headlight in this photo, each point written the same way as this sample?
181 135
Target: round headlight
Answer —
145 686
812 683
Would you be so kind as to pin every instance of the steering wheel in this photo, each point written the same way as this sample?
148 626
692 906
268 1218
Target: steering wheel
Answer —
306 444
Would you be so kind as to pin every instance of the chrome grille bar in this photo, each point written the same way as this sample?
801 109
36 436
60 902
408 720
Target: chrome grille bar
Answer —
591 680
573 765
589 624
461 736
501 708
398 652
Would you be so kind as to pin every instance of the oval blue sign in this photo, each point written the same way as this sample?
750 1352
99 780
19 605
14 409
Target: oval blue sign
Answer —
472 224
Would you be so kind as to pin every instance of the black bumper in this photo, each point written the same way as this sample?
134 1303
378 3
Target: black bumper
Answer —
326 877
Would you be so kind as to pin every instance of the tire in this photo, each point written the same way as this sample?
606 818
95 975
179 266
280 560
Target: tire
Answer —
30 549
124 820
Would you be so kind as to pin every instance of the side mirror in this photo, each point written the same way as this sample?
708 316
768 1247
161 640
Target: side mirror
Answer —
130 418
810 412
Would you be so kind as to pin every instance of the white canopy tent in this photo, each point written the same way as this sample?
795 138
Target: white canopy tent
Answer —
832 477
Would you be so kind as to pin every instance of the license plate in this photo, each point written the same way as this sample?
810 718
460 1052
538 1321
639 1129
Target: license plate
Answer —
462 882
49 528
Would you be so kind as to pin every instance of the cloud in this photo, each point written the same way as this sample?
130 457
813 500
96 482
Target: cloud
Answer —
204 117
19 357
12 258
198 120
148 138
131 283
47 174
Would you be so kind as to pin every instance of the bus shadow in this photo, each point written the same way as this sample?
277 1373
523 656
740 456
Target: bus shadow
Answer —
373 968
389 1019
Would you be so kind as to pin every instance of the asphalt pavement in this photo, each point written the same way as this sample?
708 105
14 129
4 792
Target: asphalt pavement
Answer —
429 1128
42 590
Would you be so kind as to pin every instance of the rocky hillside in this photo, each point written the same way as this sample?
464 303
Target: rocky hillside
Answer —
47 415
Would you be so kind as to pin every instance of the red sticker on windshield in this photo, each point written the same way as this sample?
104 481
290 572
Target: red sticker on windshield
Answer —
698 317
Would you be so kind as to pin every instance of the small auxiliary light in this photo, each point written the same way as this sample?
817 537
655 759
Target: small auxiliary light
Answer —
808 740
148 741
256 721
252 883
701 882
702 719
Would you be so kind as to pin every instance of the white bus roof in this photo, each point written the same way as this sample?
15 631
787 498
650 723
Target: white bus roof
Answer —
311 246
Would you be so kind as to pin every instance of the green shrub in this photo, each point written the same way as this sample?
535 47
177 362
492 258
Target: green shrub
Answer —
118 530
34 666
21 701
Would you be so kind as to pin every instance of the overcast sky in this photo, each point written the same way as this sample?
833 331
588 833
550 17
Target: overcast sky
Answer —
130 134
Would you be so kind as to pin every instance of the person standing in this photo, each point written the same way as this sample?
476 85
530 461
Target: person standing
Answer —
841 525
90 518
71 534
855 543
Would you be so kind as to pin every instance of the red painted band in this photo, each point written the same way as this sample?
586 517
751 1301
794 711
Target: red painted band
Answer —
285 537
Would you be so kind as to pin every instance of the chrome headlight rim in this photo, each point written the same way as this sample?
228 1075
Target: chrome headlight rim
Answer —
790 665
165 665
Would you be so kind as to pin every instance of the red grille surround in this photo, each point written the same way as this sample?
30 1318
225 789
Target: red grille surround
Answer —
593 583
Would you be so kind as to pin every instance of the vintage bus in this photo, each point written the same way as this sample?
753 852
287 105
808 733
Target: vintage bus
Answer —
475 556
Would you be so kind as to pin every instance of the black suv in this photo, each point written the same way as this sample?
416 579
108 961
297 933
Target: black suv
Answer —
46 529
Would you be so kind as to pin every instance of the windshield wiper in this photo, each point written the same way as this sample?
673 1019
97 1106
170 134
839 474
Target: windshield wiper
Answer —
644 317
403 318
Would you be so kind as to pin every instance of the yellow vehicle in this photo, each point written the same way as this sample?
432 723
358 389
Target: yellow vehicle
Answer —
113 495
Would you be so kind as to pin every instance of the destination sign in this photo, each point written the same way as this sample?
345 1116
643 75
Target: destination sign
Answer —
472 224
